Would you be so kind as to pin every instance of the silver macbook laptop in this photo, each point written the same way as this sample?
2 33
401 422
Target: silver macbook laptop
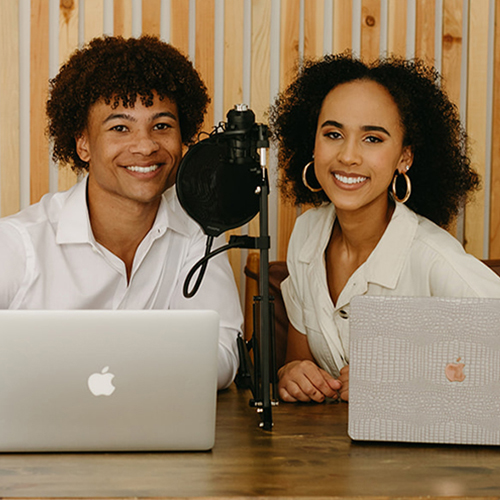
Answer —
425 370
108 380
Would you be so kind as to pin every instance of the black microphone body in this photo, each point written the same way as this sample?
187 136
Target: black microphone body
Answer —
219 178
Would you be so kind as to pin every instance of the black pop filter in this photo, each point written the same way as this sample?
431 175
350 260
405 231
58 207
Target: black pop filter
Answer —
219 177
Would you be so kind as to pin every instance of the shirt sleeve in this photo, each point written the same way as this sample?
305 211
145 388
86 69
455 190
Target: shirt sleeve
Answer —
218 292
12 264
463 277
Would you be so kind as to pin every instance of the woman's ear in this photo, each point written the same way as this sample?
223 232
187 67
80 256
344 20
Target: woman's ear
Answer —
82 147
406 160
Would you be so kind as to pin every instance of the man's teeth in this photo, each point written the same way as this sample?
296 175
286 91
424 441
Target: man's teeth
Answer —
143 170
349 180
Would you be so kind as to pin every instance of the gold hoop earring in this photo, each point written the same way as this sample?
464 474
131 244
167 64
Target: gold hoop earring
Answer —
408 188
304 179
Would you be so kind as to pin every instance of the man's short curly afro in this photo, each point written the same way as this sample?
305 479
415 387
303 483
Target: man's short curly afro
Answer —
441 175
118 70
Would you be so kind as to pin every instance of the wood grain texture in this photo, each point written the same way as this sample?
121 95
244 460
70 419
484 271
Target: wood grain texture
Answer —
396 27
289 56
39 82
233 90
122 18
179 25
370 29
204 51
151 15
260 73
342 26
261 57
94 19
9 108
425 30
451 65
68 42
308 455
494 250
476 119
314 15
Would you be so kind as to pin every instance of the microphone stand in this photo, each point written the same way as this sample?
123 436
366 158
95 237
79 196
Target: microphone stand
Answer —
263 339
243 136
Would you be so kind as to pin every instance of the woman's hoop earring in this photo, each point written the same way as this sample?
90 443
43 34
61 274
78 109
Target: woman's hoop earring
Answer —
408 188
304 179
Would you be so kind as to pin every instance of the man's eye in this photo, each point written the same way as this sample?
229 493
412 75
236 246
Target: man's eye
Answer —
162 126
119 128
373 139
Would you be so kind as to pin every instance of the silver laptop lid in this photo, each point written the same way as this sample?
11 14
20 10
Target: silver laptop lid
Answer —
425 370
108 380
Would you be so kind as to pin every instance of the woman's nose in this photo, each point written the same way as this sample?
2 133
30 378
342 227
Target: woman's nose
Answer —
349 153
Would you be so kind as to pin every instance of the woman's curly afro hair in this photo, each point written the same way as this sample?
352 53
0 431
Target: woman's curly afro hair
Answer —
118 70
441 175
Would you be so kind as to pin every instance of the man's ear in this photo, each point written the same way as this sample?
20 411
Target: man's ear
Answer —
406 160
82 147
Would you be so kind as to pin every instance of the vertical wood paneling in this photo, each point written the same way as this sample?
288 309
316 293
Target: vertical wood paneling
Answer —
179 25
261 57
313 28
370 29
262 76
233 87
342 25
289 54
122 18
151 14
260 73
396 27
425 30
204 52
94 19
9 107
476 118
68 42
495 153
39 70
451 65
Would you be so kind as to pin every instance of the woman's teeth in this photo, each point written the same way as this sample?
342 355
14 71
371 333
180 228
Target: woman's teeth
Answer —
143 170
349 180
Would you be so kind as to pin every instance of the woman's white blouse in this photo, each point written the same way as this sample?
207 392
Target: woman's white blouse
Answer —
414 257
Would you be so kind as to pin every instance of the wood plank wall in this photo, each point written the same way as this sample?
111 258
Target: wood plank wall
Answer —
246 50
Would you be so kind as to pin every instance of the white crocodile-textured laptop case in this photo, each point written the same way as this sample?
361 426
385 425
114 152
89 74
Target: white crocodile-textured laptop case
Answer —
425 370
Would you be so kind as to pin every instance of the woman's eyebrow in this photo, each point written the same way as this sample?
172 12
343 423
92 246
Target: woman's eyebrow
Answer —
375 128
364 128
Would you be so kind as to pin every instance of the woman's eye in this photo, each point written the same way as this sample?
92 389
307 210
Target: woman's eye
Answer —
373 139
333 135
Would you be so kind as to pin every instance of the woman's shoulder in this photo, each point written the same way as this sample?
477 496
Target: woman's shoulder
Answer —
449 264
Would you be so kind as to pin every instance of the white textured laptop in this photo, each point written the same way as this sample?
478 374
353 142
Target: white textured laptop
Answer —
425 370
108 380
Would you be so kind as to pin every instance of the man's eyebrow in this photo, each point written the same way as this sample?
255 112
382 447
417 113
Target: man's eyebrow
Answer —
126 116
364 128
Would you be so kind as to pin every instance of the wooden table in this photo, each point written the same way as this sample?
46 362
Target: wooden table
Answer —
308 454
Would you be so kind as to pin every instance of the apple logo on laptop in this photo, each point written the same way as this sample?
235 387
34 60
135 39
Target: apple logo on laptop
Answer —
455 371
101 384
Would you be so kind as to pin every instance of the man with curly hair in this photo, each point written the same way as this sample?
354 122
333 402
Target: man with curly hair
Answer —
120 113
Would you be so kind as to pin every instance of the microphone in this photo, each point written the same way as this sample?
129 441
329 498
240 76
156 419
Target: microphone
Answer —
222 183
218 180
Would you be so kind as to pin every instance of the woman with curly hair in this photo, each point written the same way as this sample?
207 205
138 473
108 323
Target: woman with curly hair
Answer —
379 151
120 112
